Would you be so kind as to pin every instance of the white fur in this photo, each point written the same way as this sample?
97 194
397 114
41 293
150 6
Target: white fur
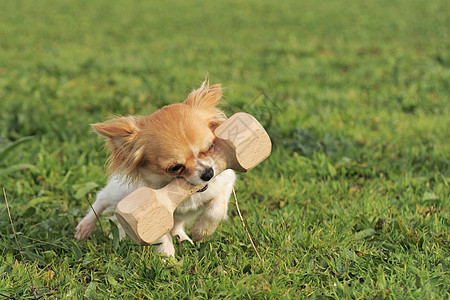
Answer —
208 208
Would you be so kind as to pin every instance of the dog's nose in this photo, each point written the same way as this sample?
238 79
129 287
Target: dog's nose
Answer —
207 174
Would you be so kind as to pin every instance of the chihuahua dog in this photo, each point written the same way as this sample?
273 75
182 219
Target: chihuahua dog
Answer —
175 141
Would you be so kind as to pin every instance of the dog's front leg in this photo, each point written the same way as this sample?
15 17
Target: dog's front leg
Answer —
166 245
215 211
87 224
114 191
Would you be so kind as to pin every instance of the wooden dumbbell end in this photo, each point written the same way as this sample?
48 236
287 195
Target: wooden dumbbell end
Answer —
244 142
154 225
146 214
143 217
125 221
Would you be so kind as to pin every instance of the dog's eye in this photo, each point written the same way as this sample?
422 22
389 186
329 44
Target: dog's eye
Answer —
211 147
176 169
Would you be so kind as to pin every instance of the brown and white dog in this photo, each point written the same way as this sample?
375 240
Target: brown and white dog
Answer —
175 141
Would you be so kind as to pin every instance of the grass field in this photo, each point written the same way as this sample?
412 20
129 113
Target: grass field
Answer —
353 202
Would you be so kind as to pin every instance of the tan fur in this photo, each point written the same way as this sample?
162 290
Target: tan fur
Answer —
138 142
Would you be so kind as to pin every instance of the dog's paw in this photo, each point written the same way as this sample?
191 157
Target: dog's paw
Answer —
202 230
185 237
167 249
84 228
182 236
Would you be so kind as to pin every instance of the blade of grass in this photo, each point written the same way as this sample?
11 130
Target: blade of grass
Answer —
33 289
245 227
15 168
10 147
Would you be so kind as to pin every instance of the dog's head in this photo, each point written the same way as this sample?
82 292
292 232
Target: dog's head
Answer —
175 141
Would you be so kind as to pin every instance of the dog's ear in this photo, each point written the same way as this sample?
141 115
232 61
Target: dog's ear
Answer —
120 132
122 138
120 129
205 97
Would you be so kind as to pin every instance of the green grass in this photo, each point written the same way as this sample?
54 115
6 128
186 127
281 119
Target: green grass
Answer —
353 202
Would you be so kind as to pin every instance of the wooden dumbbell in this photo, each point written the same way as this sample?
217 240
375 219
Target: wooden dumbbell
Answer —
147 214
